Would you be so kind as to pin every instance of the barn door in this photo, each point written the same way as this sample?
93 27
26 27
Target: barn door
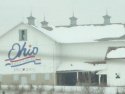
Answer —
23 80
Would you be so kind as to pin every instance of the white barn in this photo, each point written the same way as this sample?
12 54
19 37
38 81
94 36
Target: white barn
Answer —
62 56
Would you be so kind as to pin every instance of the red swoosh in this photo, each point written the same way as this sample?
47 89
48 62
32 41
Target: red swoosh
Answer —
21 59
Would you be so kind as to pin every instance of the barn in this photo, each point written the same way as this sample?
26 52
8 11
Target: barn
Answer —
75 55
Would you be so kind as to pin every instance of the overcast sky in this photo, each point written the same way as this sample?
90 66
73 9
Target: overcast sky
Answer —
57 12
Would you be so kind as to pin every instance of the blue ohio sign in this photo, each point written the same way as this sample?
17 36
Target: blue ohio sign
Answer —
20 55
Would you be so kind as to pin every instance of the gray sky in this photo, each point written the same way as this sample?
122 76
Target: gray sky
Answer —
57 12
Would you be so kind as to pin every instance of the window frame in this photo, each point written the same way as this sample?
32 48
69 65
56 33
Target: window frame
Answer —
23 35
33 77
16 77
47 76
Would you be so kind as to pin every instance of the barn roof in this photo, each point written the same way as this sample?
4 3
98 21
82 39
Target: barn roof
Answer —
81 34
117 53
77 34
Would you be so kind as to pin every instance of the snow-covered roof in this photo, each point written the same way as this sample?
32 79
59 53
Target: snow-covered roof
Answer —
118 53
80 66
83 33
102 72
77 34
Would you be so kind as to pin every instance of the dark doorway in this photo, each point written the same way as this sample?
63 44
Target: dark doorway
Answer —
94 78
88 78
68 79
103 80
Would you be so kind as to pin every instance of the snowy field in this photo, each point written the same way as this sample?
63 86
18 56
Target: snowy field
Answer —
60 90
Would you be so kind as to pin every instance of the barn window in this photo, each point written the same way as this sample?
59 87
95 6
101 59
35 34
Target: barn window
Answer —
16 77
47 76
33 77
23 35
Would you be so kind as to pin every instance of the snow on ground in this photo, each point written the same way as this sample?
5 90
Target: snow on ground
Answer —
83 33
118 53
63 90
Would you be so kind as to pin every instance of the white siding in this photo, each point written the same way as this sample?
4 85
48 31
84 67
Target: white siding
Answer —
48 52
87 51
116 66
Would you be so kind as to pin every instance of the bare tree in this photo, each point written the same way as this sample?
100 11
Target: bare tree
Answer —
40 89
62 91
51 91
31 87
99 90
21 91
121 91
0 85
